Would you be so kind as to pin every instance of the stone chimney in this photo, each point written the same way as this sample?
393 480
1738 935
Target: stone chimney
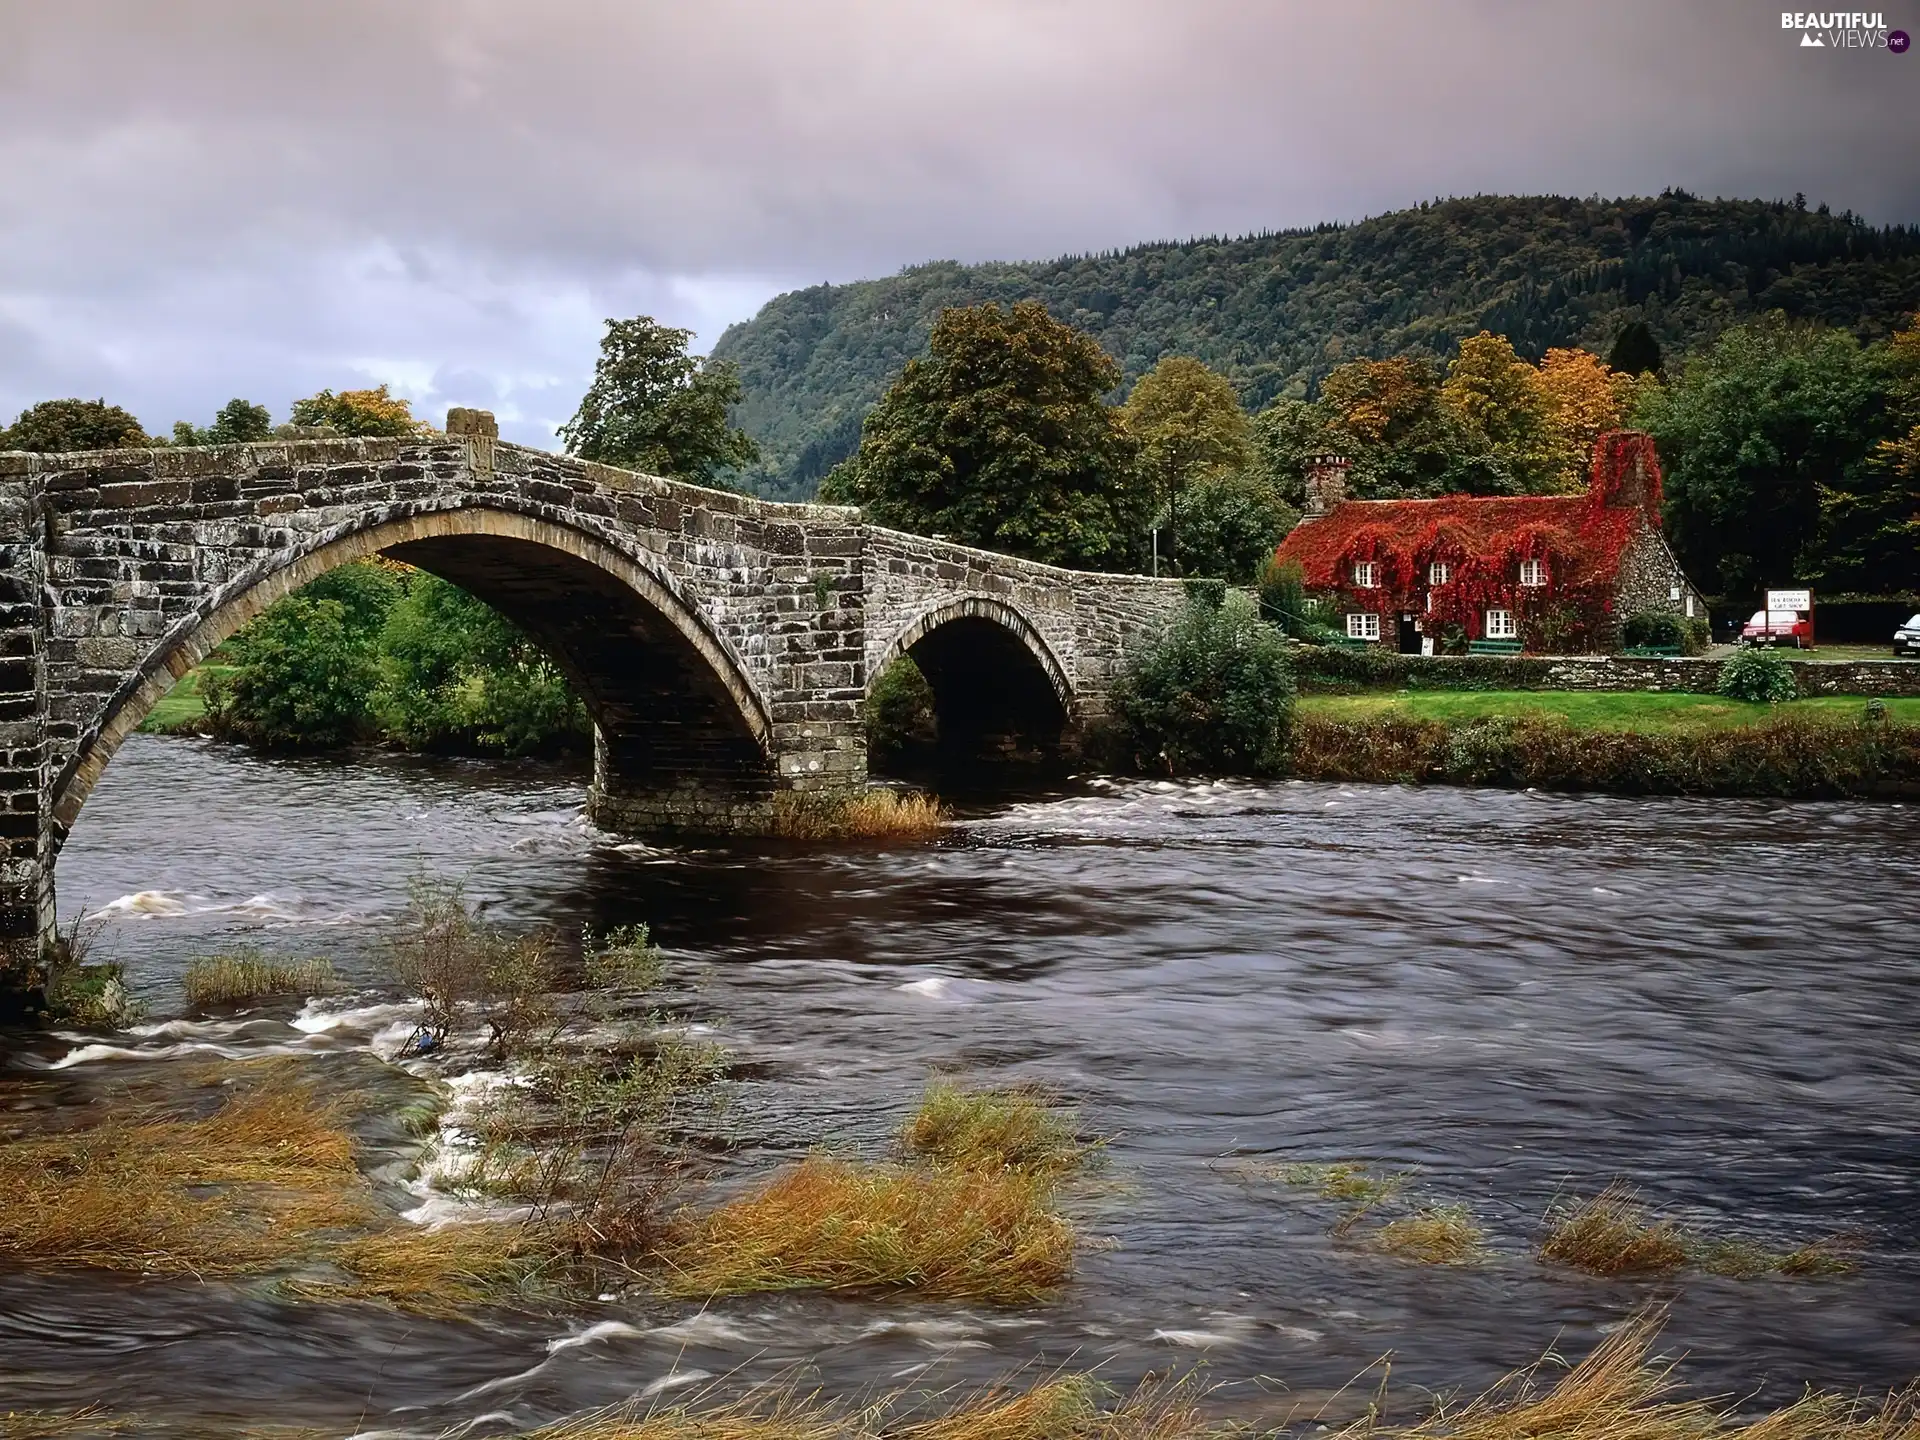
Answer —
1326 484
462 421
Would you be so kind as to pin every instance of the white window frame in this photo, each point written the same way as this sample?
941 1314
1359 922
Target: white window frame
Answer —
1363 625
1500 626
1439 572
1533 573
1366 574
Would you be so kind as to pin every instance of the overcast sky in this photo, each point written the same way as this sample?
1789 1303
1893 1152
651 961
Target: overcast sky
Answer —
208 198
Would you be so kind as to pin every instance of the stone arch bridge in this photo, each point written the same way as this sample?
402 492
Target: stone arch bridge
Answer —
722 644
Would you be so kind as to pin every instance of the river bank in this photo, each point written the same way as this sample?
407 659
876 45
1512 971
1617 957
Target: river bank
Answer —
1518 997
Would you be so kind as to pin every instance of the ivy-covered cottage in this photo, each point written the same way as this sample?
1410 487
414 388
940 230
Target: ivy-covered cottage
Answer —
1555 573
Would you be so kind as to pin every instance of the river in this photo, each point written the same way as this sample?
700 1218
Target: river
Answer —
1518 995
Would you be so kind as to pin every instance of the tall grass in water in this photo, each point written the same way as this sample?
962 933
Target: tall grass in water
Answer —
231 979
239 1191
1614 1234
942 1231
996 1129
875 814
1061 1407
1622 1392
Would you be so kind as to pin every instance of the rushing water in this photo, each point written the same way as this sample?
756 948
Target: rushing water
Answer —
1521 995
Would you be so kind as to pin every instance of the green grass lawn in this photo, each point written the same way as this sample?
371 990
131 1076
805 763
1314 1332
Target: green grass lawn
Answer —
1596 710
181 708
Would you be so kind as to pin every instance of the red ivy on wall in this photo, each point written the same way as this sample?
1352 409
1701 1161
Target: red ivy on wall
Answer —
1579 540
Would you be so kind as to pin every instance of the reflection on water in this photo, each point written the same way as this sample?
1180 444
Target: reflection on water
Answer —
1518 994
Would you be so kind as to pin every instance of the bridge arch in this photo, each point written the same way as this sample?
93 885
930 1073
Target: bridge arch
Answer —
636 649
996 681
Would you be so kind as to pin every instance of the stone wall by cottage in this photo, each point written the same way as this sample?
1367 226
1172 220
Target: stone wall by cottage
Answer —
1338 671
723 644
1650 579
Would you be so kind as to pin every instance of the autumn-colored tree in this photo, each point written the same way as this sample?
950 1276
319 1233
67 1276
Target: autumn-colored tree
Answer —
358 412
998 436
655 408
55 425
1497 396
1188 424
1386 416
1583 400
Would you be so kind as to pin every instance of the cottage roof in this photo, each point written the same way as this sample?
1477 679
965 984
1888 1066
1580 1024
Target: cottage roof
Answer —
1586 534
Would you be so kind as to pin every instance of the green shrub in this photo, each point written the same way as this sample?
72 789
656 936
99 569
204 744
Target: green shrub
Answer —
1654 627
1213 695
303 678
899 712
1698 634
1283 598
1752 673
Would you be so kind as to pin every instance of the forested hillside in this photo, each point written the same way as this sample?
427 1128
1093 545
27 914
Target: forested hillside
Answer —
1277 312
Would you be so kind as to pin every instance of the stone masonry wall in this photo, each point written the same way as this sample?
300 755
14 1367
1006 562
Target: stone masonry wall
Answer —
1086 621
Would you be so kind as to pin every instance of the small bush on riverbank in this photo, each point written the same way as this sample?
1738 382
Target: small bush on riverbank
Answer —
943 1232
1786 757
1613 1234
232 979
462 970
899 714
994 1129
872 814
1212 695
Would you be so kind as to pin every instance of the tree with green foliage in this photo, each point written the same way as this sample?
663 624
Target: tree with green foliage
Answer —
1497 399
456 674
1870 515
1231 523
1212 696
1188 425
1749 432
653 407
372 412
899 713
236 423
999 437
1390 418
1285 436
1635 351
63 425
302 681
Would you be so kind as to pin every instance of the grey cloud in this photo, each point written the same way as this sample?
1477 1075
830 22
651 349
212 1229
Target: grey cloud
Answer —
216 195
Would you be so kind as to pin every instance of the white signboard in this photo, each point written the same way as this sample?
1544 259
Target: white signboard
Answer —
1789 600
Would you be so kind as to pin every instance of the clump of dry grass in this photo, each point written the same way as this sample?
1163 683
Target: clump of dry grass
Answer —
230 979
1622 1392
996 1129
433 1272
1433 1235
47 1425
1613 1234
1346 1180
875 814
1061 1407
966 1234
239 1191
